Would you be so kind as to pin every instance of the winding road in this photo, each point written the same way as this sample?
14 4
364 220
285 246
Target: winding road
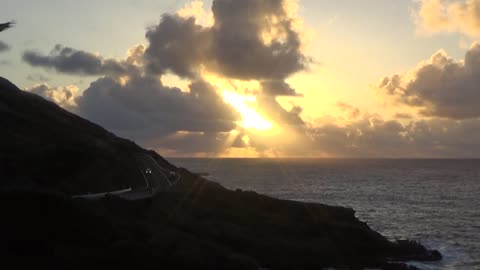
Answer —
157 179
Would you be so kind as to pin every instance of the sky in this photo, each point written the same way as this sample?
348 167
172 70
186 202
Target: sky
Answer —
258 78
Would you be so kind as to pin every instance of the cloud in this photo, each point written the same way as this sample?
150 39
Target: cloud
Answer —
248 40
37 78
4 47
352 111
278 88
234 47
177 45
449 16
198 123
260 42
269 106
403 116
72 61
195 143
143 108
369 136
440 86
197 10
64 96
372 136
262 33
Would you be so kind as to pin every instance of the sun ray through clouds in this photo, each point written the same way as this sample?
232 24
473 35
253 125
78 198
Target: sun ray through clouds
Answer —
251 119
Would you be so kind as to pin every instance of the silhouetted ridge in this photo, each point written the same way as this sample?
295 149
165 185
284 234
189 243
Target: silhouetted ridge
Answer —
46 152
45 146
6 85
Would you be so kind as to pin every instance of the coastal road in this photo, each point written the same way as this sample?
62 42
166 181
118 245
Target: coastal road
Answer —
159 178
156 178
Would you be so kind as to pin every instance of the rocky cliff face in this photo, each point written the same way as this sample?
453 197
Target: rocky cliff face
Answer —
197 224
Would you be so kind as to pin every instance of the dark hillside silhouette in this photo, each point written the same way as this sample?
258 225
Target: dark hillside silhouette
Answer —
45 146
196 224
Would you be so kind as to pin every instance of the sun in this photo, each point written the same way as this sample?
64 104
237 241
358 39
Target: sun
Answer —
251 119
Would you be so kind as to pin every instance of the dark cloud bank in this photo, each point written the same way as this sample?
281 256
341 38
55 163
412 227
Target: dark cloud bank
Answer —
71 61
256 40
372 136
147 108
141 107
441 87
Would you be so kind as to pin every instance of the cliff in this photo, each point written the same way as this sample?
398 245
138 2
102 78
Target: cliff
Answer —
47 154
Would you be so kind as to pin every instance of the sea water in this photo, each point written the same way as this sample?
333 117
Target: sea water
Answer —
436 202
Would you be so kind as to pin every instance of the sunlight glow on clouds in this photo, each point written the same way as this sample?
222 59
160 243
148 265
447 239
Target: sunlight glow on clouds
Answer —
440 86
196 9
450 16
63 96
231 81
251 119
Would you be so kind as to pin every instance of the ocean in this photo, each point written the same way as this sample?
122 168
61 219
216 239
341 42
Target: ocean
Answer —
435 202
